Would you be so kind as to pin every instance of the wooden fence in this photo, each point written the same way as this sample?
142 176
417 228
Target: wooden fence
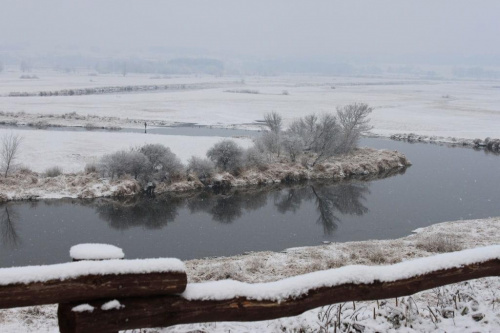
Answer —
155 299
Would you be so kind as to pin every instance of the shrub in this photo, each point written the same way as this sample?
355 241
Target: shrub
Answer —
201 167
226 155
253 158
91 168
124 162
53 171
90 126
152 161
24 169
164 164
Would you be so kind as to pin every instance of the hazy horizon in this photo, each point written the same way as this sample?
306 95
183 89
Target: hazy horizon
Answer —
455 31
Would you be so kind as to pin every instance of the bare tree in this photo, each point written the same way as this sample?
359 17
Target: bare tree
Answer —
9 151
292 145
354 122
271 138
273 122
319 135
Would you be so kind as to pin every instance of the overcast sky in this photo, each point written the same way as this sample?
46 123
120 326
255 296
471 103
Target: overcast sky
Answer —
286 28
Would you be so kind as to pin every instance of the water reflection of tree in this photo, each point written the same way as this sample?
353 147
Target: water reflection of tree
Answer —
290 200
226 208
330 200
139 211
10 237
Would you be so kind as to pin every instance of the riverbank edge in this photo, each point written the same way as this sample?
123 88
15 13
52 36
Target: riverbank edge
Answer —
28 185
490 145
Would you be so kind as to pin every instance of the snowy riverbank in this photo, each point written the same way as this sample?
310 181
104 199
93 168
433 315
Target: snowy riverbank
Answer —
464 307
27 185
488 144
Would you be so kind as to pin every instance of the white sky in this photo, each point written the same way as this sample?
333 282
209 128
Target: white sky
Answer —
258 27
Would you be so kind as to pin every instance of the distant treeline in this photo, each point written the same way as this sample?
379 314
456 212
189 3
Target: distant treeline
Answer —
117 89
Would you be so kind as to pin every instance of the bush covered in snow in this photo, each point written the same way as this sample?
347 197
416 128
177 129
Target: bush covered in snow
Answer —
124 162
146 163
255 158
226 155
201 167
163 163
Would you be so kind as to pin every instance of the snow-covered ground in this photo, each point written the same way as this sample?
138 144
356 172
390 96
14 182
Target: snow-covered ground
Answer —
72 150
465 307
464 109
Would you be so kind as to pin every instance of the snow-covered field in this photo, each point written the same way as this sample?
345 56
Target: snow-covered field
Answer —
465 307
465 109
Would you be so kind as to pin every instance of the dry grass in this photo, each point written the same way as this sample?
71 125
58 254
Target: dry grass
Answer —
439 243
53 171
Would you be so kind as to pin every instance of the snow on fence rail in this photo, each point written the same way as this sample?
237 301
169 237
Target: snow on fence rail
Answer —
236 301
74 281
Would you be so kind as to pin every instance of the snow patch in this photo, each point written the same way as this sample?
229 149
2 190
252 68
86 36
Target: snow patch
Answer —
83 308
93 251
112 305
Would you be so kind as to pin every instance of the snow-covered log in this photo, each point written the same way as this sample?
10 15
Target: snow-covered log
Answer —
87 280
237 301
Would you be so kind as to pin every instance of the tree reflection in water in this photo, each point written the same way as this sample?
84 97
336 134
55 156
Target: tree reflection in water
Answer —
10 237
138 211
330 201
227 207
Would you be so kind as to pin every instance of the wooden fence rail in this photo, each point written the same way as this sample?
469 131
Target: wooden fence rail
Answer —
163 298
174 309
91 287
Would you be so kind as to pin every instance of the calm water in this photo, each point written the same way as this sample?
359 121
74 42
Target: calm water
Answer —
443 184
181 129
